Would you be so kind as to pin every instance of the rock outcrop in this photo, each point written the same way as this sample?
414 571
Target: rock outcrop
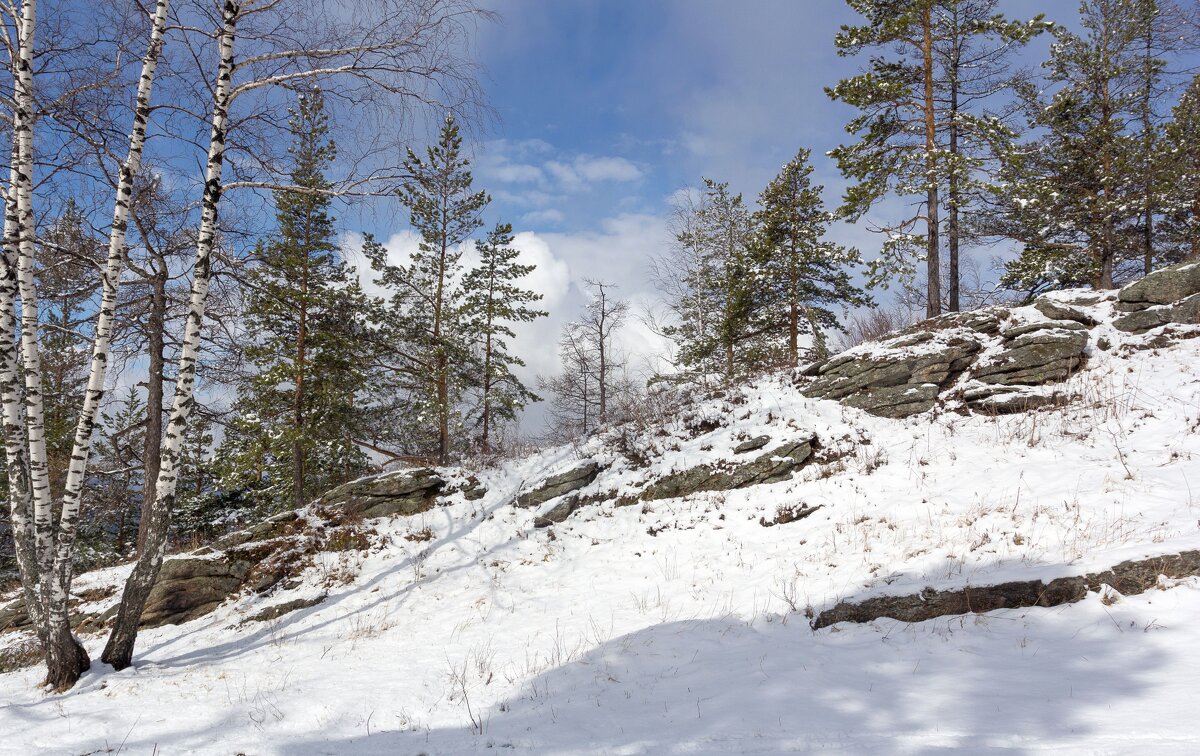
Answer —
899 377
908 373
192 586
560 485
1169 295
772 467
1035 354
406 493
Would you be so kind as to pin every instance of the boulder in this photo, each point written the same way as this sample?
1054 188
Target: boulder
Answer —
752 444
558 485
559 512
998 399
473 490
1035 354
1059 310
403 493
1165 286
772 467
1186 312
189 587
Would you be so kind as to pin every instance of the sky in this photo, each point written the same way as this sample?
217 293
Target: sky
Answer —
606 108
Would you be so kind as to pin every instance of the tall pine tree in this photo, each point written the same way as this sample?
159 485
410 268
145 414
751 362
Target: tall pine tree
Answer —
423 320
304 320
898 133
800 274
1072 195
493 298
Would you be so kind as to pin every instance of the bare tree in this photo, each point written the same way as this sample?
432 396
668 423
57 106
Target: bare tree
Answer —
592 383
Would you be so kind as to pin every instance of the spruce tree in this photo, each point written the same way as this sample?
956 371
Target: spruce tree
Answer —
423 315
1071 196
304 319
800 274
492 300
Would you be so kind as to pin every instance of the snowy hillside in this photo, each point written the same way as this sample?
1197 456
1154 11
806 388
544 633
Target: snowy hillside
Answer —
644 614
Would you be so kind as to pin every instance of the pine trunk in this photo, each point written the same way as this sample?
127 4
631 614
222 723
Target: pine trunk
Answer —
119 650
952 230
794 307
933 265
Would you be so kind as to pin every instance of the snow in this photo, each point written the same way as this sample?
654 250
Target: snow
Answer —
679 626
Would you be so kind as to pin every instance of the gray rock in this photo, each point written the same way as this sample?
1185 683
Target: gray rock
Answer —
189 587
403 493
287 607
896 401
1036 354
1186 312
559 512
1165 286
752 444
902 376
474 490
997 399
772 467
1056 310
558 485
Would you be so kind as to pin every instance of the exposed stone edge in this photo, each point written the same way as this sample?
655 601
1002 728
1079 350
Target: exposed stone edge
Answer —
1128 578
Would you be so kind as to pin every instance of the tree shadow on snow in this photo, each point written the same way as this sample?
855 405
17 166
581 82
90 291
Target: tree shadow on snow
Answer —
1011 679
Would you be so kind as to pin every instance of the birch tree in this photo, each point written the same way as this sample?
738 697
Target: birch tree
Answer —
46 547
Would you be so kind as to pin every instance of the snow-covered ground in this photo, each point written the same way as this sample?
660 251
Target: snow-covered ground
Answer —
679 625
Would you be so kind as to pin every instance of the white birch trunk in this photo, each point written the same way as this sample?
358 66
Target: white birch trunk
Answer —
84 429
15 447
119 650
39 472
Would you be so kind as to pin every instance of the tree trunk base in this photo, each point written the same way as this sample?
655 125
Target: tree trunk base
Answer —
66 661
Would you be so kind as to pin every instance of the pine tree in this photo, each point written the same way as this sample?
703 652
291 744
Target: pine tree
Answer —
714 304
116 493
1071 196
66 287
898 133
924 127
423 314
1179 189
493 299
974 50
303 313
800 274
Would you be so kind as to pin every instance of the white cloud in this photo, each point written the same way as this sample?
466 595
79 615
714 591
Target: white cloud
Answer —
585 170
548 217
